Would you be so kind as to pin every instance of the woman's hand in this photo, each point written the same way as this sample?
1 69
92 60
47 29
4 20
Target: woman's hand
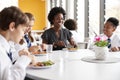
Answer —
59 43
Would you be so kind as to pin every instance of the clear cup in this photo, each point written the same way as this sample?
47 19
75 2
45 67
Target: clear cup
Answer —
49 48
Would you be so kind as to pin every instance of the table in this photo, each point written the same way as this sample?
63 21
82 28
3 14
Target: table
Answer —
69 66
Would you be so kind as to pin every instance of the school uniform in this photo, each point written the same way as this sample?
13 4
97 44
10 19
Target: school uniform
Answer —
114 40
8 70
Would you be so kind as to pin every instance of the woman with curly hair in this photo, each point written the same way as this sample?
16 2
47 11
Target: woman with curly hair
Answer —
57 35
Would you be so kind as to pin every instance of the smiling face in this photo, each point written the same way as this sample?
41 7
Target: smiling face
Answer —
108 29
58 20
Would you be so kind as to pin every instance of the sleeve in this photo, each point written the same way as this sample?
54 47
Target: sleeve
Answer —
18 70
44 36
69 34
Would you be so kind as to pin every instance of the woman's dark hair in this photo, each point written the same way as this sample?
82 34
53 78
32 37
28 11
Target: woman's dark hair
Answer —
114 21
54 11
12 14
70 24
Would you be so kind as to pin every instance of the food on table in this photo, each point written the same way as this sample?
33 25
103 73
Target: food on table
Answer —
44 63
72 49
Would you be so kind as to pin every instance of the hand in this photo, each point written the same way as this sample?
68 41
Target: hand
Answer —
27 53
114 49
23 52
43 46
59 43
34 48
33 61
72 42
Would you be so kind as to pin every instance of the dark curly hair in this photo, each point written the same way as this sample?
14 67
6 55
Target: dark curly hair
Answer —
53 12
114 21
70 24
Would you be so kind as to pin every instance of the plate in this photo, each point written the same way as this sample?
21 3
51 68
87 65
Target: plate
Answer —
39 67
72 49
44 64
40 53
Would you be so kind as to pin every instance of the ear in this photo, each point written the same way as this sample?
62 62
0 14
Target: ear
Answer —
114 29
12 26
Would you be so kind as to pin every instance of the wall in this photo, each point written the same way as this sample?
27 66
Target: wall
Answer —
7 3
38 9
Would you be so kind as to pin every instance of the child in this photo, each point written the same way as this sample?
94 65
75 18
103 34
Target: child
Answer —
13 23
109 28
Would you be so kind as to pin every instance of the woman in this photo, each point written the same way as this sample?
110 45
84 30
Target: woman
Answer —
57 35
13 23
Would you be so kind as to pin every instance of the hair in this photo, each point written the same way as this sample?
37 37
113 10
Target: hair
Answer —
12 14
30 16
114 21
54 11
70 24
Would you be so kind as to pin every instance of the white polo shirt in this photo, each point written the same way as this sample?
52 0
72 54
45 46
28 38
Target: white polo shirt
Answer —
8 71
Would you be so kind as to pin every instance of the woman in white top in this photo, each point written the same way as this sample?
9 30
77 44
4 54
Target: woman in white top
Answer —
13 23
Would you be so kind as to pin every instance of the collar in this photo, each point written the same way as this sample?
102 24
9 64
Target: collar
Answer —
4 43
111 37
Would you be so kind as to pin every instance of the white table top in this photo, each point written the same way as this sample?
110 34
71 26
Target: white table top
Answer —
71 67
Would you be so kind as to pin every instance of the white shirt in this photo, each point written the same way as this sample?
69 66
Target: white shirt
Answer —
115 40
8 71
76 36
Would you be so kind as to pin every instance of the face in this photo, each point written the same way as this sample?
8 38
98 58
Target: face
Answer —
58 20
108 29
18 33
29 28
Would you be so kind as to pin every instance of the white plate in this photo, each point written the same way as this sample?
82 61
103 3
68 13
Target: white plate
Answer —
40 54
72 50
40 67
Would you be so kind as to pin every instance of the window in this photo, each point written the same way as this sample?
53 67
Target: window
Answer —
112 9
90 14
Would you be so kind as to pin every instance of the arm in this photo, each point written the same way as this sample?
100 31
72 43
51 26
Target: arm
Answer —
72 42
18 70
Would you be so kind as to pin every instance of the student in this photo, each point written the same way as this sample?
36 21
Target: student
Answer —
13 23
109 28
28 41
57 35
71 25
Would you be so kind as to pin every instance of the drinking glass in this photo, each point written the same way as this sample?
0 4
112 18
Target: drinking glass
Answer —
49 48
